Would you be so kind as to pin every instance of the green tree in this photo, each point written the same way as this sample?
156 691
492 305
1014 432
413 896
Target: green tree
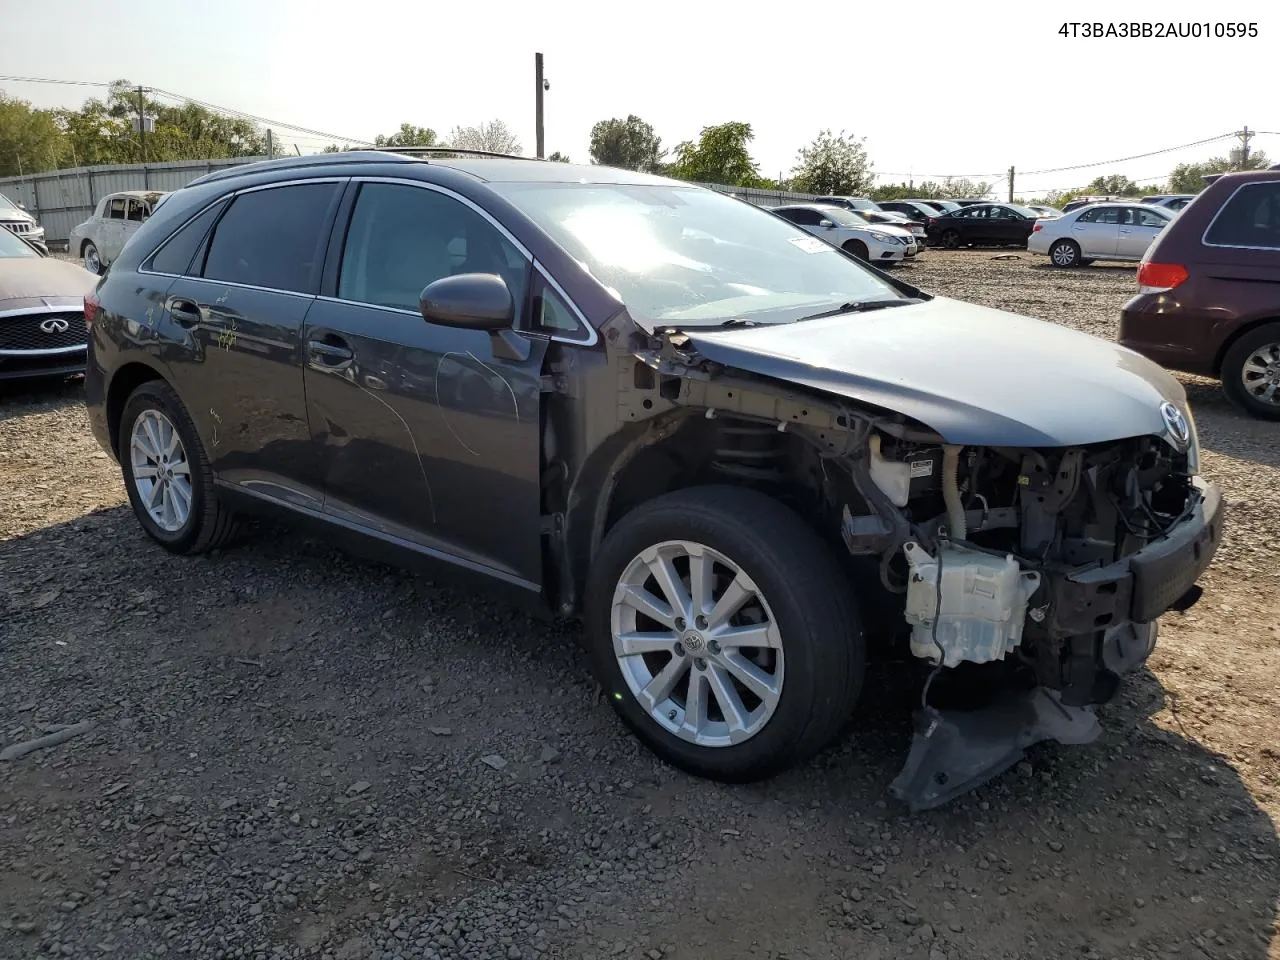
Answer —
1112 185
30 139
833 165
630 144
719 156
1189 177
407 136
559 157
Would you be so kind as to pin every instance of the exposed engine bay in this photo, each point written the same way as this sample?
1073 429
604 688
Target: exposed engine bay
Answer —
1050 563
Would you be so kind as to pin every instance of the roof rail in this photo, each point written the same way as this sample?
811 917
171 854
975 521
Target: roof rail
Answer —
461 151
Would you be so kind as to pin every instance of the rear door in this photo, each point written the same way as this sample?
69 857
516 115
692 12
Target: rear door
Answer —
429 435
1239 259
1138 228
1097 232
243 302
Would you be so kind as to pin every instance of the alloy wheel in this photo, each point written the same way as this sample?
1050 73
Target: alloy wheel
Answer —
1063 254
92 262
1260 374
697 644
160 470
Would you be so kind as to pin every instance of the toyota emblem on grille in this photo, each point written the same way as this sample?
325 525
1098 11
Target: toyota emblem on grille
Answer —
54 325
1176 422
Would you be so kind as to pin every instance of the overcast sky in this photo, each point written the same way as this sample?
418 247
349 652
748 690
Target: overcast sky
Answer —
935 87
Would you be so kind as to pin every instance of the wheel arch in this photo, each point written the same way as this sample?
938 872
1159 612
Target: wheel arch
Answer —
1241 331
124 382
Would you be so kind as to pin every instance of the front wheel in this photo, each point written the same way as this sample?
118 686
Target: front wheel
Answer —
858 249
92 259
1251 372
168 476
724 632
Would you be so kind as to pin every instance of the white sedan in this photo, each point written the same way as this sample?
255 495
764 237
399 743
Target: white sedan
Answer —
875 243
1099 231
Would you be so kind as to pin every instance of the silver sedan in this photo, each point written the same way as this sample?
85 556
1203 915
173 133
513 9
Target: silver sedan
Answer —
1099 231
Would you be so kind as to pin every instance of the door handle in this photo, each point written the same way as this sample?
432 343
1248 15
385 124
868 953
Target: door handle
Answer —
329 354
185 312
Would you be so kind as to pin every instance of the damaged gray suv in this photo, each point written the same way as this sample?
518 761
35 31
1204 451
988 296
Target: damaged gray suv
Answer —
746 460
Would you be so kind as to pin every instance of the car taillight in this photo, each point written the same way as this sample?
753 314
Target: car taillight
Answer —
1160 277
90 309
930 222
1037 227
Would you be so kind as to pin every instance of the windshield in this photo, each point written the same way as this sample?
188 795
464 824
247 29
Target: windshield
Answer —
688 256
1025 211
946 205
843 217
11 246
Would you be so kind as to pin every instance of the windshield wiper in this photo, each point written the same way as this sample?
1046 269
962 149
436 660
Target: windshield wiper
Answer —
861 306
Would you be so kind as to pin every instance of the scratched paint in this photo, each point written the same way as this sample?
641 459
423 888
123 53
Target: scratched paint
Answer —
444 410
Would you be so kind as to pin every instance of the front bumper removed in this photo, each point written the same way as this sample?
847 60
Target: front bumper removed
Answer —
954 751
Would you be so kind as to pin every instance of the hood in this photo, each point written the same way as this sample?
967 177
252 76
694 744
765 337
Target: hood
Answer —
15 214
31 278
974 375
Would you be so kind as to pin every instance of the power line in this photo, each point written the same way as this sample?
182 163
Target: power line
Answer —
1136 156
70 83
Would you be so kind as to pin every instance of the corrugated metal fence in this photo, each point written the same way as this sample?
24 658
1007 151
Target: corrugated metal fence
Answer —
61 199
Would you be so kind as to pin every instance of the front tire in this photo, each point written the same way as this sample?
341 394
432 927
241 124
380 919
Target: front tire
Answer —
92 259
168 476
1251 372
1065 254
858 249
724 632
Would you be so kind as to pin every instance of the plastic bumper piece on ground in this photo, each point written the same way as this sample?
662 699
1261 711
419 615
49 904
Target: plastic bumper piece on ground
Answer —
954 752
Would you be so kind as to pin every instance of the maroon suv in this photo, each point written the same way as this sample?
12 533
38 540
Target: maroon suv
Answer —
1209 297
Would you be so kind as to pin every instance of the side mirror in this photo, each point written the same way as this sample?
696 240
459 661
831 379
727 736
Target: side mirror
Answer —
826 223
472 301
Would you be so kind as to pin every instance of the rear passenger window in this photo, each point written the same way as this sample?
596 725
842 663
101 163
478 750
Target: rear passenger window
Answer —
176 254
1250 218
115 208
273 238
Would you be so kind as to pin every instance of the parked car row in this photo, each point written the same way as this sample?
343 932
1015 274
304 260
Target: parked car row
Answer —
15 218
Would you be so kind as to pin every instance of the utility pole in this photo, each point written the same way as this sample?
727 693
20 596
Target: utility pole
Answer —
1011 184
271 153
542 85
142 122
1245 136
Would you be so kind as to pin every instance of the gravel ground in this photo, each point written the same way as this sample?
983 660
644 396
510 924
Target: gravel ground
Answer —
299 754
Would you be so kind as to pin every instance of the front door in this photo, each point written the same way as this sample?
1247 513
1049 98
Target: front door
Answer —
244 301
110 232
1097 232
429 435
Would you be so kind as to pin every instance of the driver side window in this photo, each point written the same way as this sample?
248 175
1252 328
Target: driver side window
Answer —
403 238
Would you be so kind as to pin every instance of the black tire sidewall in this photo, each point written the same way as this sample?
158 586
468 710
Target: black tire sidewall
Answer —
1233 363
858 250
156 395
951 240
822 676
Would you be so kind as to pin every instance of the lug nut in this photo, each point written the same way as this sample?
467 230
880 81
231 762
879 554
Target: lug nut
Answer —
713 646
700 663
700 622
679 650
679 623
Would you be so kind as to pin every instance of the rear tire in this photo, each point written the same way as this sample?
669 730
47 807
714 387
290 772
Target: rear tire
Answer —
91 258
1250 364
951 239
167 474
1065 254
858 249
798 597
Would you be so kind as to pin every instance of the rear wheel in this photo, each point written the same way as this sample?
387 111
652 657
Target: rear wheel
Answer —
167 474
951 239
724 632
1251 372
857 248
1065 253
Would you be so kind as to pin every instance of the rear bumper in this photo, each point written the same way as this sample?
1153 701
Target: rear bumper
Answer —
1145 584
1160 327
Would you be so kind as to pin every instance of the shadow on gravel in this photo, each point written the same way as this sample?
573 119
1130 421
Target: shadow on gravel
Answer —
268 713
1105 269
